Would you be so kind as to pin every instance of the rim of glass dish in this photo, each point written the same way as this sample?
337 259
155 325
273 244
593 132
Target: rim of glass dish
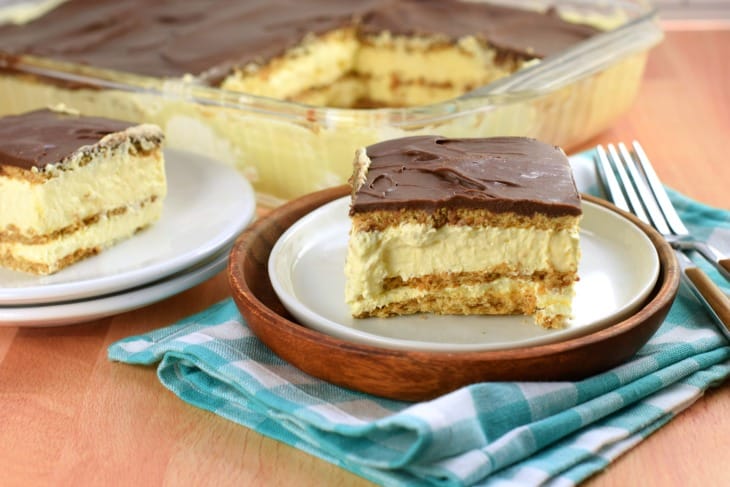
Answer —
546 76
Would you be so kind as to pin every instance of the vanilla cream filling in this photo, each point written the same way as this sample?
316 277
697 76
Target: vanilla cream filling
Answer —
411 250
382 90
317 62
112 179
349 91
104 232
467 63
345 92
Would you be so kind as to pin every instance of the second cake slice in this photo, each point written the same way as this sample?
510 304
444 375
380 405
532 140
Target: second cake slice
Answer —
463 226
72 185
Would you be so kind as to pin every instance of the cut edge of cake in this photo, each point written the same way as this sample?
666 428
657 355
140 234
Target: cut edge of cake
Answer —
344 69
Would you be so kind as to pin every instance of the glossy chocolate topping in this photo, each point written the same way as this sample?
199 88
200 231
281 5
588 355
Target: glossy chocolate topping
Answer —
500 174
42 137
523 32
167 38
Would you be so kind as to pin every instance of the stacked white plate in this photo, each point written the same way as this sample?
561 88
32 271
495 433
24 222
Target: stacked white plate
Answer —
207 206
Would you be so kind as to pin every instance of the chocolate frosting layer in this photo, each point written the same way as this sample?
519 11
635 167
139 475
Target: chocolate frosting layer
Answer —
501 174
167 38
523 32
42 137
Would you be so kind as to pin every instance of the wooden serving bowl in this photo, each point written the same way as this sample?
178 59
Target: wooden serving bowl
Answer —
420 375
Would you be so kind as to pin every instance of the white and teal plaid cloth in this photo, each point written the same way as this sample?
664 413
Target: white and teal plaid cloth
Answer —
519 433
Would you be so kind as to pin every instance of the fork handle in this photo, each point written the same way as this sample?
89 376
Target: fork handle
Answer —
716 299
713 256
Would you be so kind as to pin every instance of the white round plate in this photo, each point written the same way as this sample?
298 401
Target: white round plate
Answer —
91 309
208 204
618 269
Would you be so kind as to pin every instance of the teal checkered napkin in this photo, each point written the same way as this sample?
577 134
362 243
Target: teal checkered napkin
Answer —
520 433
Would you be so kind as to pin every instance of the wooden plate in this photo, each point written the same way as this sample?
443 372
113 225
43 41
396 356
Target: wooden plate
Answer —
420 375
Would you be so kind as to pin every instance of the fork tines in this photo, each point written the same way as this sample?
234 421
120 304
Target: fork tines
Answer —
633 185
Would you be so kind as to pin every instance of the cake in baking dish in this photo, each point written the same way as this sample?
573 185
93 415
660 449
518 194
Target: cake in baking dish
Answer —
325 52
71 186
463 226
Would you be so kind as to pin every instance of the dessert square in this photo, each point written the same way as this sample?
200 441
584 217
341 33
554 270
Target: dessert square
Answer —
463 226
322 52
72 185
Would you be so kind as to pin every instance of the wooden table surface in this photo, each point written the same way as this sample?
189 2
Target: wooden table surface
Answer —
68 416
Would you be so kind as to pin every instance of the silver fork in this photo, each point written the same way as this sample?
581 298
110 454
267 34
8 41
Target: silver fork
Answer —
638 190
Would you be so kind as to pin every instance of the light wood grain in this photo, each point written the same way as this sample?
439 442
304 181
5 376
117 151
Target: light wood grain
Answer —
68 416
682 114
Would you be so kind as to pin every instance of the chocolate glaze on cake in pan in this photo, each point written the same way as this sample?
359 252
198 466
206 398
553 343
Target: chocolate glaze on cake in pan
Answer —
167 38
500 174
42 137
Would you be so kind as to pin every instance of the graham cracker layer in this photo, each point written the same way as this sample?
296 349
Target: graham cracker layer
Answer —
18 264
13 262
515 301
381 219
13 234
433 282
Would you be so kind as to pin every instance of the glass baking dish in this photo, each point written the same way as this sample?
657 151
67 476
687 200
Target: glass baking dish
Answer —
288 149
